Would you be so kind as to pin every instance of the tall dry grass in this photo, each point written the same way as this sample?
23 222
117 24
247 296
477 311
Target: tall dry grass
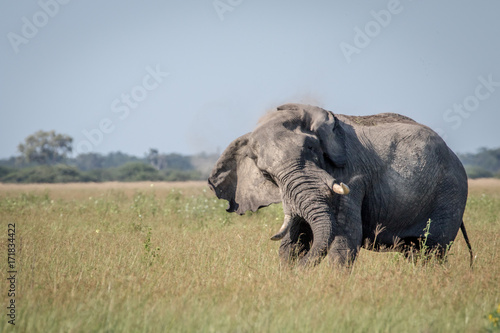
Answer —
161 259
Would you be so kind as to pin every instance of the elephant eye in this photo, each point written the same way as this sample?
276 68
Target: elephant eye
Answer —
267 176
313 149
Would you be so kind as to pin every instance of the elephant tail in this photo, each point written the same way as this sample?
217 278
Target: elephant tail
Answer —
464 232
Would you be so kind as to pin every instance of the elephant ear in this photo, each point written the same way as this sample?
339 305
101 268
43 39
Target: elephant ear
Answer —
237 179
328 129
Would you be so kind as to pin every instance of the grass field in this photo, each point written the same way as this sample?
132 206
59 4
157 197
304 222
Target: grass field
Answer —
165 257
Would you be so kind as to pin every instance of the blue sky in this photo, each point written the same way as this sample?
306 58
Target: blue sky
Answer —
191 76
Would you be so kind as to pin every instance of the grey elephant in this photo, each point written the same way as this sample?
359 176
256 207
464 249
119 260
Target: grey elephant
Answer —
345 182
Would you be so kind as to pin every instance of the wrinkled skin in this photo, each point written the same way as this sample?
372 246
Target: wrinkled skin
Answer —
400 174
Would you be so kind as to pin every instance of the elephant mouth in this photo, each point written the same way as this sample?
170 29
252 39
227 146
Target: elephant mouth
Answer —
341 189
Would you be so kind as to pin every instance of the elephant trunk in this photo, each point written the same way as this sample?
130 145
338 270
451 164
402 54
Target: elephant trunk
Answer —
309 195
318 213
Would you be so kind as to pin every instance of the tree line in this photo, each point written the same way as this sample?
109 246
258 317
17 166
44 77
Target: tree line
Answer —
483 164
44 158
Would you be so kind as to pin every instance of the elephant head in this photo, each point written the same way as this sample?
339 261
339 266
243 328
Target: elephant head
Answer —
285 159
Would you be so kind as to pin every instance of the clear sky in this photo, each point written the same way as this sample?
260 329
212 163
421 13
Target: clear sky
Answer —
191 76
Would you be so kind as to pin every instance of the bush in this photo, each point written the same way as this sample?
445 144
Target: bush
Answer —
4 171
137 171
47 174
101 175
182 175
130 172
477 172
488 159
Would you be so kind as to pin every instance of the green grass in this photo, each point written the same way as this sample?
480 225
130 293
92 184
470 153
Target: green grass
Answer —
162 260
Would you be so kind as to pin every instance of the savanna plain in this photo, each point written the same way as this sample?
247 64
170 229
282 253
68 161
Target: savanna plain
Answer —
166 257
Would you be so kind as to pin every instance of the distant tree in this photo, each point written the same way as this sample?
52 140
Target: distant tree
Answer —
487 159
89 161
137 171
475 171
46 147
156 160
168 161
116 159
178 162
4 171
47 174
11 162
182 175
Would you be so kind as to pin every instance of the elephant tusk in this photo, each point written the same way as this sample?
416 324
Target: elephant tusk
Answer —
341 189
284 228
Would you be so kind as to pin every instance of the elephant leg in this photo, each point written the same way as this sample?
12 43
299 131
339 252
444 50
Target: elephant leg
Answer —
348 234
344 251
418 248
297 242
436 231
414 250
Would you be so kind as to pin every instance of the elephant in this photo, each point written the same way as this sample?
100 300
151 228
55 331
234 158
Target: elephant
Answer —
346 183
